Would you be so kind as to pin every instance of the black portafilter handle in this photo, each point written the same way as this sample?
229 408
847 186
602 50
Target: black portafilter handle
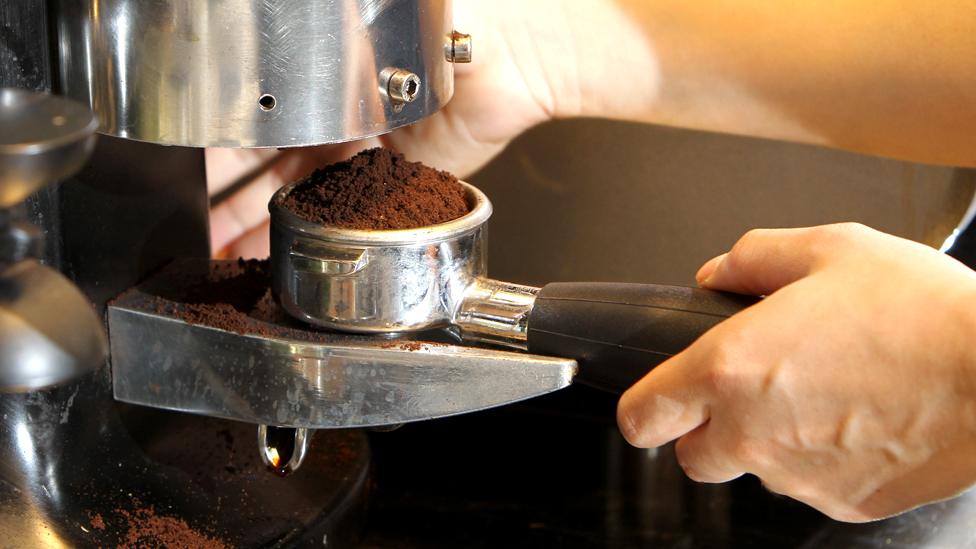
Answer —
619 332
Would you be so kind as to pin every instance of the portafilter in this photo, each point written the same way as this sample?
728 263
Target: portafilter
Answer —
382 281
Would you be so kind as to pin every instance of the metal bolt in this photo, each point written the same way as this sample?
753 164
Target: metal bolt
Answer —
458 48
403 86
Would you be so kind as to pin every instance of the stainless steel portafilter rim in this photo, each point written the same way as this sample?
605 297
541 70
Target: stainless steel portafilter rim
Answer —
394 280
479 213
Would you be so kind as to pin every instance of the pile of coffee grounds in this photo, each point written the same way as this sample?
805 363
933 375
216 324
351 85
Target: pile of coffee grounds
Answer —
149 530
377 189
235 297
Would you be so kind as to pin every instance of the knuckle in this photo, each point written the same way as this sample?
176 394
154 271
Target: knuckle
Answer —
744 246
841 234
691 472
724 376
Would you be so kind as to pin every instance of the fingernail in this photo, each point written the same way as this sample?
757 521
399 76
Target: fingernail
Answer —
625 422
706 271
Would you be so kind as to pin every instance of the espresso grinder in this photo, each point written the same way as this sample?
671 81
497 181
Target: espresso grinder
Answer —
165 79
384 327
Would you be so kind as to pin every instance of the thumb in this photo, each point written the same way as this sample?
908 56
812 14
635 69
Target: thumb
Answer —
764 260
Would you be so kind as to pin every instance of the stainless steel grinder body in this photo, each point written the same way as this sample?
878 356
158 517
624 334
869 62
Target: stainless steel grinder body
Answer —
255 73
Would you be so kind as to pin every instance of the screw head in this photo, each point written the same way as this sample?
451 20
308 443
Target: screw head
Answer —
403 86
458 48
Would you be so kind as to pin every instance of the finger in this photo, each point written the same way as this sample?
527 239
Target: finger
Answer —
246 207
708 268
667 403
224 167
253 244
703 458
246 210
765 260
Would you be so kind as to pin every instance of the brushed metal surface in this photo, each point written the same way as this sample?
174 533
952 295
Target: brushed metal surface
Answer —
252 73
44 139
329 380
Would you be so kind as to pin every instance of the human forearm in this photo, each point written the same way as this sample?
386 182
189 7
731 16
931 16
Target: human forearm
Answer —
895 78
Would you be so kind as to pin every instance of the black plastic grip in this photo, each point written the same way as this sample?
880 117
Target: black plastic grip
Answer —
618 332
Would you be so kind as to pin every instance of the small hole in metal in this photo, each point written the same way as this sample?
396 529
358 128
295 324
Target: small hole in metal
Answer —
412 88
267 102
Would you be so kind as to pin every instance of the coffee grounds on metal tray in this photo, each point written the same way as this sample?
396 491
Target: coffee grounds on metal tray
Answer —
150 530
377 189
235 297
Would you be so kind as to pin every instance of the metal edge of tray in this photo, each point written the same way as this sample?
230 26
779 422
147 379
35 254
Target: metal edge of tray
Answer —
340 381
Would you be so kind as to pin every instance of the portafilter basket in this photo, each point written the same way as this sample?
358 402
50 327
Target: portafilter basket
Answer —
408 280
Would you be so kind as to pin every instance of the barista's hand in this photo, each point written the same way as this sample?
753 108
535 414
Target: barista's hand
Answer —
504 91
851 387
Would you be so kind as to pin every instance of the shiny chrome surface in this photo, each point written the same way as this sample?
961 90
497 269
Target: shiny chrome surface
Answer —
43 140
283 449
252 73
496 312
964 225
459 50
376 281
397 281
330 380
49 332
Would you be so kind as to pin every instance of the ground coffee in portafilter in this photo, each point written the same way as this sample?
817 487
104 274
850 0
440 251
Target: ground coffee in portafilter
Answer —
377 189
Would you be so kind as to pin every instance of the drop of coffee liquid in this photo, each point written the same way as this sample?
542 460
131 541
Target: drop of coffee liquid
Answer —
280 449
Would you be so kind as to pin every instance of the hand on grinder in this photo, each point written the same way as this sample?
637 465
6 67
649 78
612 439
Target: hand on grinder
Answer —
497 96
851 387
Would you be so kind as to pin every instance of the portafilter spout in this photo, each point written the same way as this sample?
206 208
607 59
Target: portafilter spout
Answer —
436 277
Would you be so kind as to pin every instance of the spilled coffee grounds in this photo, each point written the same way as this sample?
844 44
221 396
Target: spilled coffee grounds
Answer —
377 189
235 296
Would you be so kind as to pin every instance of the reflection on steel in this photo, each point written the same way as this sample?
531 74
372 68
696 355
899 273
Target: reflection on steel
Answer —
49 332
44 139
283 449
944 524
397 281
332 380
376 281
458 48
965 224
251 73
